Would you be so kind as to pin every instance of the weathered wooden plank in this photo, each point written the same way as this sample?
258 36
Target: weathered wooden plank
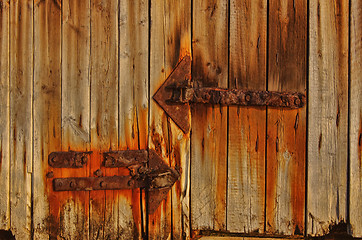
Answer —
21 131
4 115
286 142
209 124
178 44
170 41
103 214
74 219
47 112
356 118
133 104
327 115
247 126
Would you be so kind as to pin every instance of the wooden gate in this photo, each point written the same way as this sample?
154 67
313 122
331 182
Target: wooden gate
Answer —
79 77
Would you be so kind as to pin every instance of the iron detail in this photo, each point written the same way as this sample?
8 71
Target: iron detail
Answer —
69 159
147 171
178 92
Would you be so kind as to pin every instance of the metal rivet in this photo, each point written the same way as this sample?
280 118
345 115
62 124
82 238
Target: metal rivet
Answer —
247 97
72 184
297 101
50 175
59 184
98 173
53 159
130 182
84 160
102 184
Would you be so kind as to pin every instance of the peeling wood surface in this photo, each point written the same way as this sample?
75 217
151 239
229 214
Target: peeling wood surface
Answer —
355 112
21 129
247 126
47 111
133 105
4 114
209 124
286 142
327 115
170 41
74 206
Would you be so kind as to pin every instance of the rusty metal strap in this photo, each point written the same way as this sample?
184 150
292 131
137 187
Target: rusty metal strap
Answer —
215 96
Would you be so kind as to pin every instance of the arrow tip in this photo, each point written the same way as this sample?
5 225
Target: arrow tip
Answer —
162 181
179 113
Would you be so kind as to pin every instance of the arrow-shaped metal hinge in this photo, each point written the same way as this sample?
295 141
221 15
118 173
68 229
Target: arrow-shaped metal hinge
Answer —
177 93
147 170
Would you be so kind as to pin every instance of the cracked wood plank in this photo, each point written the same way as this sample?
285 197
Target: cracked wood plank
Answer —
47 113
4 114
21 131
247 125
327 115
103 213
74 206
356 118
170 41
286 128
209 123
133 105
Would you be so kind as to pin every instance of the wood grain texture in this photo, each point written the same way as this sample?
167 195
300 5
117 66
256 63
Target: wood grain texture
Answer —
286 143
47 113
133 104
355 112
74 207
327 115
103 214
4 114
247 126
209 123
177 45
21 131
170 41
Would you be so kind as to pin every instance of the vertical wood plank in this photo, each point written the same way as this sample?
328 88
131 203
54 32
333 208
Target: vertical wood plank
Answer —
170 41
133 104
247 126
4 115
209 124
47 113
21 131
356 118
327 115
286 143
74 220
103 212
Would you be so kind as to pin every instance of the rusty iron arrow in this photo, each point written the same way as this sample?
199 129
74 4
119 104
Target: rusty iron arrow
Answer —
177 93
147 171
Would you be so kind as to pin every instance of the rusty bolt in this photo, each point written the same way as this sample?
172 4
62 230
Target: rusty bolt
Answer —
72 184
297 101
59 184
53 159
50 174
98 173
84 160
247 97
130 183
102 184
